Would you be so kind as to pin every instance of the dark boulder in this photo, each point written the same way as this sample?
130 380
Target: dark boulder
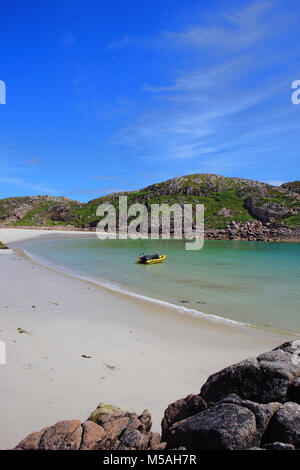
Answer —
294 391
285 425
242 379
225 426
246 406
264 379
263 413
181 409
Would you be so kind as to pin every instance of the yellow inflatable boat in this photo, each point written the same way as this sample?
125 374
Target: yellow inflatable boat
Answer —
150 260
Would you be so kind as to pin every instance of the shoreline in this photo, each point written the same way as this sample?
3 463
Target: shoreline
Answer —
115 288
209 234
159 353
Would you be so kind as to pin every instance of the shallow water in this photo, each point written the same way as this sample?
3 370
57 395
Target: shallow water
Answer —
253 283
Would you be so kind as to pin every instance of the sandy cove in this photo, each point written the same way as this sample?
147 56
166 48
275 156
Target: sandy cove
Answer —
142 355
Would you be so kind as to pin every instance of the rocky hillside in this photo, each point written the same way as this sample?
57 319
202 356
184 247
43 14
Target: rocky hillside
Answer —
226 200
36 210
292 186
254 404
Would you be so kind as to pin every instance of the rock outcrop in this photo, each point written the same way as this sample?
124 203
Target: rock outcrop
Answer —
181 409
36 210
248 405
108 428
254 404
292 186
254 230
285 425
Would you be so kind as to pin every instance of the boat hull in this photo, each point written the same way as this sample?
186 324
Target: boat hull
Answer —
153 261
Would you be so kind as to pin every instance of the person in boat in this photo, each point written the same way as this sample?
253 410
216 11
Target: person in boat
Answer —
145 257
155 256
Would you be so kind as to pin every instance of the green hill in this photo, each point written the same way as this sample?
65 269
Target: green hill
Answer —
225 200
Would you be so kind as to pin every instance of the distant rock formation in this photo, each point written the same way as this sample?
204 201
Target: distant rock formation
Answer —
254 404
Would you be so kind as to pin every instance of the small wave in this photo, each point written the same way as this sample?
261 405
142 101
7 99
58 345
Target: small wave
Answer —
117 288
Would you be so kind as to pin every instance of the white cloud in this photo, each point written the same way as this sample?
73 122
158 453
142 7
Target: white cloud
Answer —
209 114
241 29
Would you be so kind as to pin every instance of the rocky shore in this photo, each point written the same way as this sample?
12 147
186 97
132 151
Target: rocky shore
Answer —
254 404
248 231
254 230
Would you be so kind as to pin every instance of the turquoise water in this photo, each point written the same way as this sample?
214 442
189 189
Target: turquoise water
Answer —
248 282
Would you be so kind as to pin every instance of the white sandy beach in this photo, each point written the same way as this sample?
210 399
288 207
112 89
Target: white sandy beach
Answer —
159 355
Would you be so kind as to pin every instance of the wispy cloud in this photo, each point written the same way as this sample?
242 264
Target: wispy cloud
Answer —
197 79
213 115
15 172
44 189
238 29
192 123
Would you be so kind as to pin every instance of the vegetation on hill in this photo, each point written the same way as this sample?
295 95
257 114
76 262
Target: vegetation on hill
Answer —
225 200
292 186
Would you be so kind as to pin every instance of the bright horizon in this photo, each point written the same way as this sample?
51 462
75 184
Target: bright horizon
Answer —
114 96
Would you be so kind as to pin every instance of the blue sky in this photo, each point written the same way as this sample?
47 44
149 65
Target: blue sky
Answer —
104 96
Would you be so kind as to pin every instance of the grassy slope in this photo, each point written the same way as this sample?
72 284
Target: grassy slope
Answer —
215 192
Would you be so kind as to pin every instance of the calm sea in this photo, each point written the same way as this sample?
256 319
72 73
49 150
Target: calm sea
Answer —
252 283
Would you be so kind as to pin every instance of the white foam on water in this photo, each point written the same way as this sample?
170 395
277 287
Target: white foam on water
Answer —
117 288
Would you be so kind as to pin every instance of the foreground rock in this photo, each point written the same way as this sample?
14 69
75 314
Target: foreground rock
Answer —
65 435
266 378
285 425
113 429
248 405
181 409
254 404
